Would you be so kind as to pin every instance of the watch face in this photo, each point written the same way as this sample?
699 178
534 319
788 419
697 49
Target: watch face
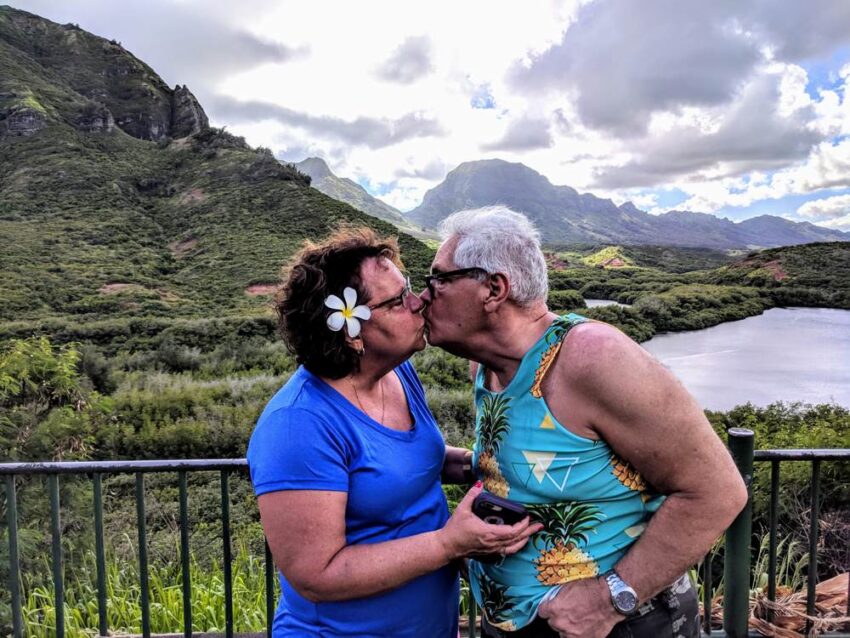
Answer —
625 601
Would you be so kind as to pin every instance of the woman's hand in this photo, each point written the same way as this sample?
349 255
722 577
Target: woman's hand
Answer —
465 533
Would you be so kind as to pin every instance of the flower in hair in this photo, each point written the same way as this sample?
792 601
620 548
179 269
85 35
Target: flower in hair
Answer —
348 313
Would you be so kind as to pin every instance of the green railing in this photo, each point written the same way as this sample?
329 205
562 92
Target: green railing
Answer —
736 563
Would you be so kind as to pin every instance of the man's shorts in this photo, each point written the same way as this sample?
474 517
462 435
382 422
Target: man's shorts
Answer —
674 612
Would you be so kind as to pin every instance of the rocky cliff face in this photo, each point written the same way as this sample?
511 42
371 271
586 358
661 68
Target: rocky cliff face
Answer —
19 119
95 85
187 116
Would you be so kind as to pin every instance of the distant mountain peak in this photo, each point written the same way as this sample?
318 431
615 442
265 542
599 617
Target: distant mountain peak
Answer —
349 191
566 216
315 167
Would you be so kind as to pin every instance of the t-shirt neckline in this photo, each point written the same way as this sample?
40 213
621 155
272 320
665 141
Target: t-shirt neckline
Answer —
340 399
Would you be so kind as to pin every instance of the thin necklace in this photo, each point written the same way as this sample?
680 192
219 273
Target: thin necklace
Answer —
360 403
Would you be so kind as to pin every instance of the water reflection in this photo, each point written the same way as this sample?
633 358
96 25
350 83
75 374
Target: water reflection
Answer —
785 354
594 303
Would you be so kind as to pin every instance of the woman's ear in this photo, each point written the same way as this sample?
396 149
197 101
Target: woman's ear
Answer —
356 344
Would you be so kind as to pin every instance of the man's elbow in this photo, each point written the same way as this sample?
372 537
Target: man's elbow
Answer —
740 498
732 499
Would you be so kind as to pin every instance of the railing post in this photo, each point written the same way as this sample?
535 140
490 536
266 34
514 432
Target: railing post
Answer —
14 563
100 554
56 543
736 567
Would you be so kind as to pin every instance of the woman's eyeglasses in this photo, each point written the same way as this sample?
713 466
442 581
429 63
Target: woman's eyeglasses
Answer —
398 300
436 280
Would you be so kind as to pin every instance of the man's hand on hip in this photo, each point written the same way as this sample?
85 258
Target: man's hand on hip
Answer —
582 609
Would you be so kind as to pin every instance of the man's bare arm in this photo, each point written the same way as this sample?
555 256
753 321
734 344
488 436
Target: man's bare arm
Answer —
457 467
648 418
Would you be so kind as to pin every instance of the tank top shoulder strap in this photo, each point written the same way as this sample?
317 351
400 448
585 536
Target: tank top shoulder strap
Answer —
553 339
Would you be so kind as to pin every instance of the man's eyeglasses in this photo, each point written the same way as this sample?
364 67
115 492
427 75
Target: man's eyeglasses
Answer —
398 300
435 281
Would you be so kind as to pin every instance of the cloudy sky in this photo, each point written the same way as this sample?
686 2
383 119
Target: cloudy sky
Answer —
727 107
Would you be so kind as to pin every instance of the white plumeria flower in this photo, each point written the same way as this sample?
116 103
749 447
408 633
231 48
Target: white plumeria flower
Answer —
348 313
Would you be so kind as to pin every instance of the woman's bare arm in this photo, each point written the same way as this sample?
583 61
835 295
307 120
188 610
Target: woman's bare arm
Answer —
306 534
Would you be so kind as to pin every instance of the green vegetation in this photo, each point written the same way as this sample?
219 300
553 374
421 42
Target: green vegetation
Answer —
135 321
166 598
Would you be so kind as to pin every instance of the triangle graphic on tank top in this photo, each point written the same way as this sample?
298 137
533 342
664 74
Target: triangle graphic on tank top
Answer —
546 423
542 462
523 472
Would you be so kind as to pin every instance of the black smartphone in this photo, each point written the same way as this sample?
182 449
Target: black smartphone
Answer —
497 510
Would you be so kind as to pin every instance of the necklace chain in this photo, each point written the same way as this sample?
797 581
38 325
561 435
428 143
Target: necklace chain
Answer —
360 403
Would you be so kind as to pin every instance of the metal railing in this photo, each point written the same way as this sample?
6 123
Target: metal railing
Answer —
736 562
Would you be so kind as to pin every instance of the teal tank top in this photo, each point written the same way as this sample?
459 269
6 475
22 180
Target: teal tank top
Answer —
593 505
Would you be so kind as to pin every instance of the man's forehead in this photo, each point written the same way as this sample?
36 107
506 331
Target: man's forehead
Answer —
444 259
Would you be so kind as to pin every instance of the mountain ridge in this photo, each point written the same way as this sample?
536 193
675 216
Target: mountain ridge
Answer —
118 201
566 216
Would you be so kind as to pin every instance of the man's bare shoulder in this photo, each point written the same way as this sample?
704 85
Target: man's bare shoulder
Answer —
593 344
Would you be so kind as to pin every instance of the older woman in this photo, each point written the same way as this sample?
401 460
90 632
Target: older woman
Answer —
346 458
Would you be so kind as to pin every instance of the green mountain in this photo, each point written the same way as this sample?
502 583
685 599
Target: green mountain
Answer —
348 191
117 200
816 274
566 216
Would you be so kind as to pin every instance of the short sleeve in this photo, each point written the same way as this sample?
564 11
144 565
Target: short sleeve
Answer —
411 380
295 449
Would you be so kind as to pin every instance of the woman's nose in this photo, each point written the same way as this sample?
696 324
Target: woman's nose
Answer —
415 303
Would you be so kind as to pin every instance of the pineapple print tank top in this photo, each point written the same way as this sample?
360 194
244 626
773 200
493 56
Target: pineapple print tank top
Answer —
592 504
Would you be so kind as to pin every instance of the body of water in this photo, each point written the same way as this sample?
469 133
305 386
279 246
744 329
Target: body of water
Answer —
785 354
593 303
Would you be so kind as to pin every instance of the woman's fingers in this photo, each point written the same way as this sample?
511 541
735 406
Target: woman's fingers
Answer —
465 504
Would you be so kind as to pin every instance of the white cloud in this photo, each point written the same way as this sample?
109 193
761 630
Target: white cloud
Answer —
829 208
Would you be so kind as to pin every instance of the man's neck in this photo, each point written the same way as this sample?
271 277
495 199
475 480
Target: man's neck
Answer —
501 347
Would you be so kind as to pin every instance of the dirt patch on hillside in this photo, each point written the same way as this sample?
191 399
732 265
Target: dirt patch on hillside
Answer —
182 248
554 263
614 262
775 269
115 288
193 196
258 290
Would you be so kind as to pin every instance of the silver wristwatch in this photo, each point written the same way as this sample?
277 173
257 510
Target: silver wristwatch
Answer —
623 597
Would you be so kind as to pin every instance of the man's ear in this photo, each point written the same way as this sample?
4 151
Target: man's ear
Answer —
499 290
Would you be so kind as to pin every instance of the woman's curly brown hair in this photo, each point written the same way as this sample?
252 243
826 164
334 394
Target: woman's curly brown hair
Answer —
316 271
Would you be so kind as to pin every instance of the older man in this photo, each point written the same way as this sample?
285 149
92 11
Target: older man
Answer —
578 423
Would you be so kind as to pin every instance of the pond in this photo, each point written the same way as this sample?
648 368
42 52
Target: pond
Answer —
785 354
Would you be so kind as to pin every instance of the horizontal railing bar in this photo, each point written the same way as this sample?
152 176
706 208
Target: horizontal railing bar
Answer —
86 467
836 454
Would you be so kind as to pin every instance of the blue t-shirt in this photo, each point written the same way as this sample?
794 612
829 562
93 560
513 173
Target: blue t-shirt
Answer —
310 437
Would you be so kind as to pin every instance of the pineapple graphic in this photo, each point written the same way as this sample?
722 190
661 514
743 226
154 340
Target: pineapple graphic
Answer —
493 427
496 603
555 338
565 527
627 475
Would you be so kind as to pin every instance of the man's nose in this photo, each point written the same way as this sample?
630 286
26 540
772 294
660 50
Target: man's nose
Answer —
425 296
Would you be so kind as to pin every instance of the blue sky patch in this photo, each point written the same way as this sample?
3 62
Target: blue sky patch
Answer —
483 98
823 74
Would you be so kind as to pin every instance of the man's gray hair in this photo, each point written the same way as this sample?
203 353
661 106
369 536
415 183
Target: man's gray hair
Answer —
498 239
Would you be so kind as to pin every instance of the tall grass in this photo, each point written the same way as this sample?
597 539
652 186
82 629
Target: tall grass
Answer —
123 594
